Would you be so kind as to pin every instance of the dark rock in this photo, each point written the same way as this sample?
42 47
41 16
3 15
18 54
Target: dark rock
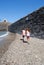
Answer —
34 21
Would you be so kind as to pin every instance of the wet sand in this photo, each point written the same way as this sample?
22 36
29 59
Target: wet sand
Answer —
4 44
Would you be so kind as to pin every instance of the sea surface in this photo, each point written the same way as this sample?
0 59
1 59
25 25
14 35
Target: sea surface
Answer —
3 34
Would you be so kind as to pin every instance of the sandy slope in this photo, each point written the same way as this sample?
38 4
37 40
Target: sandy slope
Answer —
20 53
5 42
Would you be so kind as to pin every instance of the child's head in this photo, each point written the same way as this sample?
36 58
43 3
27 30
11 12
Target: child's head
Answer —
27 29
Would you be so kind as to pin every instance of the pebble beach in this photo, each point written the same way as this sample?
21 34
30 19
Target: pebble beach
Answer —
5 42
20 53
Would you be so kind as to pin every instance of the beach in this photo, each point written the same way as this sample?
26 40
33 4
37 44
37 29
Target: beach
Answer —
5 42
20 53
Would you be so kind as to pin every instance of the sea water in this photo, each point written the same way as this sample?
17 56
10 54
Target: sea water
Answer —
3 34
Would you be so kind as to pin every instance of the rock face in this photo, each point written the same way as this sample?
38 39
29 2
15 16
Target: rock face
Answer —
35 21
4 25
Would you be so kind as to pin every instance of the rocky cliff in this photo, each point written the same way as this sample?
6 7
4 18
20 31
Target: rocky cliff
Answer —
34 21
4 26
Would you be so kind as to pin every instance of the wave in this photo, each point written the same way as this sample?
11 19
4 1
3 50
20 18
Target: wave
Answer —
4 35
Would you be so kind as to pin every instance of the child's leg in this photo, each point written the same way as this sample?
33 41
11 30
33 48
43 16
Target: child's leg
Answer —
23 38
28 39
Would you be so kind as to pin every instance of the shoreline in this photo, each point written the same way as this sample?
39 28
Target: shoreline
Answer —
3 35
20 53
5 42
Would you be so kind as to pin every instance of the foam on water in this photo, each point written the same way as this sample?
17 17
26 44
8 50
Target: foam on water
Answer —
4 35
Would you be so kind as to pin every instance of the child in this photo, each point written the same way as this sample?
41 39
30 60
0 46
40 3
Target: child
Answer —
23 34
27 34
